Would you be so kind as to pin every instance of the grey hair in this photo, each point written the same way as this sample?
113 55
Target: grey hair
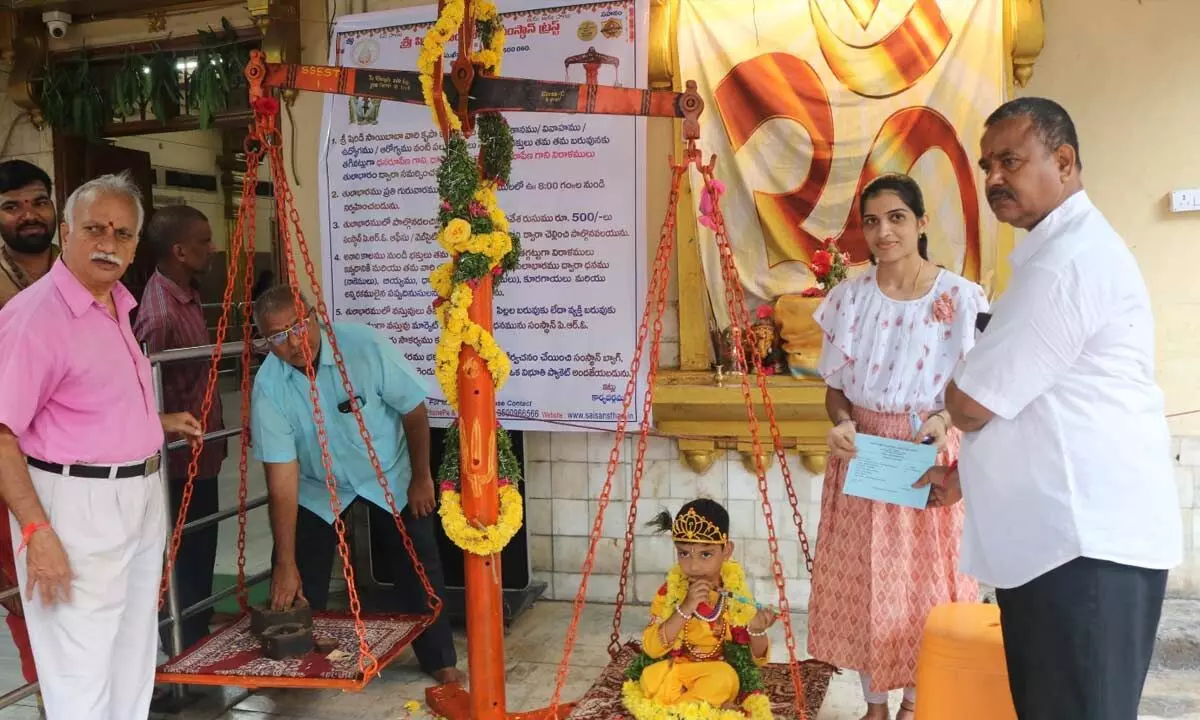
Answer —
118 184
279 298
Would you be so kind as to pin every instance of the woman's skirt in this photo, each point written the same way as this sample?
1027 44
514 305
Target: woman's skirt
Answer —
880 568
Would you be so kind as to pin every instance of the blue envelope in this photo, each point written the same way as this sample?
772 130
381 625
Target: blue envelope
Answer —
885 470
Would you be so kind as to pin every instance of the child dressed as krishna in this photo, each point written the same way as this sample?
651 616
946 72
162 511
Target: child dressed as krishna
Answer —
707 638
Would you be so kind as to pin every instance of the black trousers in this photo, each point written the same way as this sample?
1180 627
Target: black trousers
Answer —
316 546
1078 640
196 559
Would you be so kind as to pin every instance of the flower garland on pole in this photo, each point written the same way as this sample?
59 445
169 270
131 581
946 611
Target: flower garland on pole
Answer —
485 540
474 231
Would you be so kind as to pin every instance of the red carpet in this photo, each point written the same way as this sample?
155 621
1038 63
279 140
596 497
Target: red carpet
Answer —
232 656
603 701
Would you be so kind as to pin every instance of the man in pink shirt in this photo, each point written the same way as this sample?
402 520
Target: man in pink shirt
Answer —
79 442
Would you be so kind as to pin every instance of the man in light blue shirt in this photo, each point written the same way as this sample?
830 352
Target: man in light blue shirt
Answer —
391 397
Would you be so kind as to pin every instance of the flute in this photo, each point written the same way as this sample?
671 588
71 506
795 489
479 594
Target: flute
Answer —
739 598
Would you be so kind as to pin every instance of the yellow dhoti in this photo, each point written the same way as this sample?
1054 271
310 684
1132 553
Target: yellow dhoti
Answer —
693 671
679 681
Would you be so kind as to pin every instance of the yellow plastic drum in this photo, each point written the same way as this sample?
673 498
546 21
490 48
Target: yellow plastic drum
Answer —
960 671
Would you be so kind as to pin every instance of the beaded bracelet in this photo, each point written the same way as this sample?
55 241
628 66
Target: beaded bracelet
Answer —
761 633
685 616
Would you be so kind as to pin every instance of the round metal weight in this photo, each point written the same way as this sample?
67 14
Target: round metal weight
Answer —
262 618
285 641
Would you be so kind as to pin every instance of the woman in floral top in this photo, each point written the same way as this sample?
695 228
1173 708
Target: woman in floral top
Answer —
892 338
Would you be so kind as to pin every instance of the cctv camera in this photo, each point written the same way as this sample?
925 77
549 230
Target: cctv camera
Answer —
56 23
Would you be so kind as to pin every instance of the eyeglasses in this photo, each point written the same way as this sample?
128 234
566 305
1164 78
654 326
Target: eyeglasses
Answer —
281 337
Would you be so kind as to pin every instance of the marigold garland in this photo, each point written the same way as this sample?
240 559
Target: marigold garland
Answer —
491 36
733 579
756 706
738 655
484 540
474 231
432 49
488 57
488 539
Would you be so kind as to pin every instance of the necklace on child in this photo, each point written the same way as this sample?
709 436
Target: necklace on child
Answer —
699 655
716 613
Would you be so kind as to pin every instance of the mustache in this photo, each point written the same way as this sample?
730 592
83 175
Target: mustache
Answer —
33 224
106 257
999 194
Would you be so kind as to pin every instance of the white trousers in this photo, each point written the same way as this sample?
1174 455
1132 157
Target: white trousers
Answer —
96 654
881 698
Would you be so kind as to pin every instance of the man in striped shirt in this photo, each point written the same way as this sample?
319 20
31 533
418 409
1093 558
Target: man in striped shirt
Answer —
170 316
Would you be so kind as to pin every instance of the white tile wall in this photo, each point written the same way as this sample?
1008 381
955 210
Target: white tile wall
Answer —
566 472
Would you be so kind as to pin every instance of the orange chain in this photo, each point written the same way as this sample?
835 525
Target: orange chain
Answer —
656 300
247 219
235 250
657 290
368 664
740 318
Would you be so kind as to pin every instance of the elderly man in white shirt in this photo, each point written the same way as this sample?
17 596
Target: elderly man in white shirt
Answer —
1071 507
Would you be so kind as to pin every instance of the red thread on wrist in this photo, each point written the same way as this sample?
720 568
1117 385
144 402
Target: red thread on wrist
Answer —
28 531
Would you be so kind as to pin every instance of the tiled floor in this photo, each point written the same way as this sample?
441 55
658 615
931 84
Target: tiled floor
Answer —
534 646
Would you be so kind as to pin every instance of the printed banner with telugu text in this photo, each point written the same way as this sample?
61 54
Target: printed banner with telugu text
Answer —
568 315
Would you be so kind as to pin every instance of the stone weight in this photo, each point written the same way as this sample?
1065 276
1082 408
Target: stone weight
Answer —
280 642
262 618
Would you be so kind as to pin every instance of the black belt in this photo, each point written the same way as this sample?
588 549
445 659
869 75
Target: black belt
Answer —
142 469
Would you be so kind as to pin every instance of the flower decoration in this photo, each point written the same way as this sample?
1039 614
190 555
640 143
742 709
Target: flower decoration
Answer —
474 231
756 706
737 653
266 105
943 308
829 266
483 540
710 196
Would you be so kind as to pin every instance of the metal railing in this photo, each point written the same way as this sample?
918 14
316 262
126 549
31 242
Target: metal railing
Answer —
175 614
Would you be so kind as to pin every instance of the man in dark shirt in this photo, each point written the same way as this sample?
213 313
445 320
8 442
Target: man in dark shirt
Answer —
170 316
27 223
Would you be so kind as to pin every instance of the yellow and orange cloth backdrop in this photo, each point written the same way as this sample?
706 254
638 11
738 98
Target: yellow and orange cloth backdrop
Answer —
808 100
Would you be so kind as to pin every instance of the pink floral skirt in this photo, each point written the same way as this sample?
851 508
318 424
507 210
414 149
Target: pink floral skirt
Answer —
879 570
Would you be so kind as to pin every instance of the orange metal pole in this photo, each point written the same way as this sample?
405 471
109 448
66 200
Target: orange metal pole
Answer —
481 504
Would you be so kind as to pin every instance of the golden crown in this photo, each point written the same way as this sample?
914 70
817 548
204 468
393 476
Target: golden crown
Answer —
692 527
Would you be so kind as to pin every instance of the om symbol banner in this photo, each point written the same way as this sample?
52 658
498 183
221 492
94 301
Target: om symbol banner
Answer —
808 100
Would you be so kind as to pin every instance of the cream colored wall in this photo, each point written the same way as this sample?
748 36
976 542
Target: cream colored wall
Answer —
1128 77
194 151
